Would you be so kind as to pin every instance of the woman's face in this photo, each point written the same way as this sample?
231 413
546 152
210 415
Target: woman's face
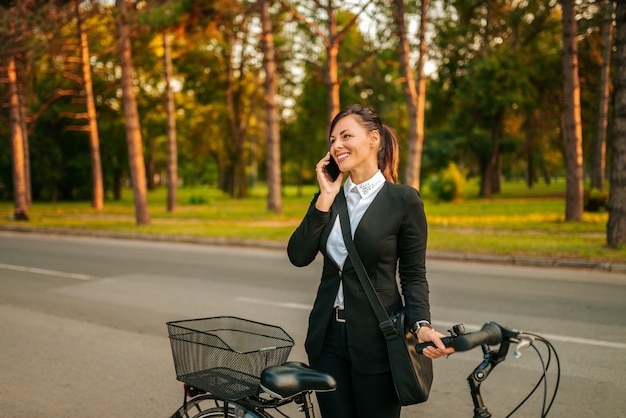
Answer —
354 148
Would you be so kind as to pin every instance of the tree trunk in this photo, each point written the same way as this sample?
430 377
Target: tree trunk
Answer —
172 150
133 129
151 163
237 181
414 95
97 201
27 181
573 125
241 172
485 179
274 180
496 174
117 185
17 143
598 151
491 166
616 226
490 175
332 68
529 148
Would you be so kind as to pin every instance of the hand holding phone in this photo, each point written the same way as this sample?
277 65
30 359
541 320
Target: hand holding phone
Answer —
332 169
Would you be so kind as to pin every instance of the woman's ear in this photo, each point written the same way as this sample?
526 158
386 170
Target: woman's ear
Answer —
375 139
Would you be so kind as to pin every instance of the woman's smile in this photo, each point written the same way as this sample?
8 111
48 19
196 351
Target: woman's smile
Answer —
342 156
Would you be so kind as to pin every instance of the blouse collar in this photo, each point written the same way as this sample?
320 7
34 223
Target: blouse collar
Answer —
367 187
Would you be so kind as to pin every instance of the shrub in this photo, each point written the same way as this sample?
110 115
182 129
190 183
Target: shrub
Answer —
197 199
449 184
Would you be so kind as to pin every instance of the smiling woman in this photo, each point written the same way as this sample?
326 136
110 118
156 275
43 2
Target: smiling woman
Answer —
387 224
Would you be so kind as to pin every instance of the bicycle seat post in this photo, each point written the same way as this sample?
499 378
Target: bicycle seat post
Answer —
305 405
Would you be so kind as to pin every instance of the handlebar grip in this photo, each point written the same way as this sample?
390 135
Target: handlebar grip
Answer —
490 334
447 341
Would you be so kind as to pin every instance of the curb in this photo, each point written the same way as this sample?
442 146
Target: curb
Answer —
274 245
531 261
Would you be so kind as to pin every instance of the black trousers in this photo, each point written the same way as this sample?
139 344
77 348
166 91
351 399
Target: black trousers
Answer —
358 395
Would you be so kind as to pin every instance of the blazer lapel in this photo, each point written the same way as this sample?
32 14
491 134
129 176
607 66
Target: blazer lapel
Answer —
368 216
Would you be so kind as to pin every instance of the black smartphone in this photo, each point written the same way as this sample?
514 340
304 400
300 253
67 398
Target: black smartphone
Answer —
332 169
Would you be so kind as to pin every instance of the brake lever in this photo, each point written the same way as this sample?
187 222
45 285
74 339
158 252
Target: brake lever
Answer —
524 341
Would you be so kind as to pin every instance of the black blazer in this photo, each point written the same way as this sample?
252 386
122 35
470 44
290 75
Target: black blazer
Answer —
390 239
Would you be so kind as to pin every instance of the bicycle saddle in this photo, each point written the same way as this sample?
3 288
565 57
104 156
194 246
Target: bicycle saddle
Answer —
293 378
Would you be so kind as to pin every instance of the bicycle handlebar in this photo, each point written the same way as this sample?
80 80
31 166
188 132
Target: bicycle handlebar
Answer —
493 334
490 334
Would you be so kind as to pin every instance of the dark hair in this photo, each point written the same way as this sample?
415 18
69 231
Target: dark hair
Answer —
388 154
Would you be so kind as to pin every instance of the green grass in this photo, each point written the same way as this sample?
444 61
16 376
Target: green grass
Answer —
517 222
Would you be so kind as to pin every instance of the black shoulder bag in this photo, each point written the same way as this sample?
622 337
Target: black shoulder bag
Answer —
412 372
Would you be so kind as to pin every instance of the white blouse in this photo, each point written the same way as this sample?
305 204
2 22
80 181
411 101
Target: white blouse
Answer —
359 197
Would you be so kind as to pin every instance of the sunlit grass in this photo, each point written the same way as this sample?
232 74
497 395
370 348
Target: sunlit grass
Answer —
520 222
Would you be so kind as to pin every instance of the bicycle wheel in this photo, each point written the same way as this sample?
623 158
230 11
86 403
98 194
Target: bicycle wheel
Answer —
204 406
216 412
207 406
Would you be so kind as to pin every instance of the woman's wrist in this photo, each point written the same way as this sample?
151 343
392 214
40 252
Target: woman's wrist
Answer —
324 202
419 326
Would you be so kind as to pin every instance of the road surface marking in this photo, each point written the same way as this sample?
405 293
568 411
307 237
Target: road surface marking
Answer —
46 272
289 305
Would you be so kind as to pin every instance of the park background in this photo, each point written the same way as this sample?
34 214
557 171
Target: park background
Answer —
206 118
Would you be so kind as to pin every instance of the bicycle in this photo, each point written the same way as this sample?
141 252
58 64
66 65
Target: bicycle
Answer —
236 368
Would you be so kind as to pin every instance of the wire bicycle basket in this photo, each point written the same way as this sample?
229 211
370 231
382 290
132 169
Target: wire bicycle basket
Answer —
225 355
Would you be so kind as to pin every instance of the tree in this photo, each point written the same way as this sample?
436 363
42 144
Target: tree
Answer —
616 225
23 117
572 123
415 96
133 129
17 141
14 31
171 19
242 96
598 151
274 181
170 106
331 36
97 201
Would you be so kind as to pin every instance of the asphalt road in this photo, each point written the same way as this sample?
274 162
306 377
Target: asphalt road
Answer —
83 325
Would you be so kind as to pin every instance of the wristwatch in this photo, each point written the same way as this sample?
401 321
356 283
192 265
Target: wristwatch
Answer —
420 324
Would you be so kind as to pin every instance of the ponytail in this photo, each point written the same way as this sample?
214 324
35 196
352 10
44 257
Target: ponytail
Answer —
389 155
